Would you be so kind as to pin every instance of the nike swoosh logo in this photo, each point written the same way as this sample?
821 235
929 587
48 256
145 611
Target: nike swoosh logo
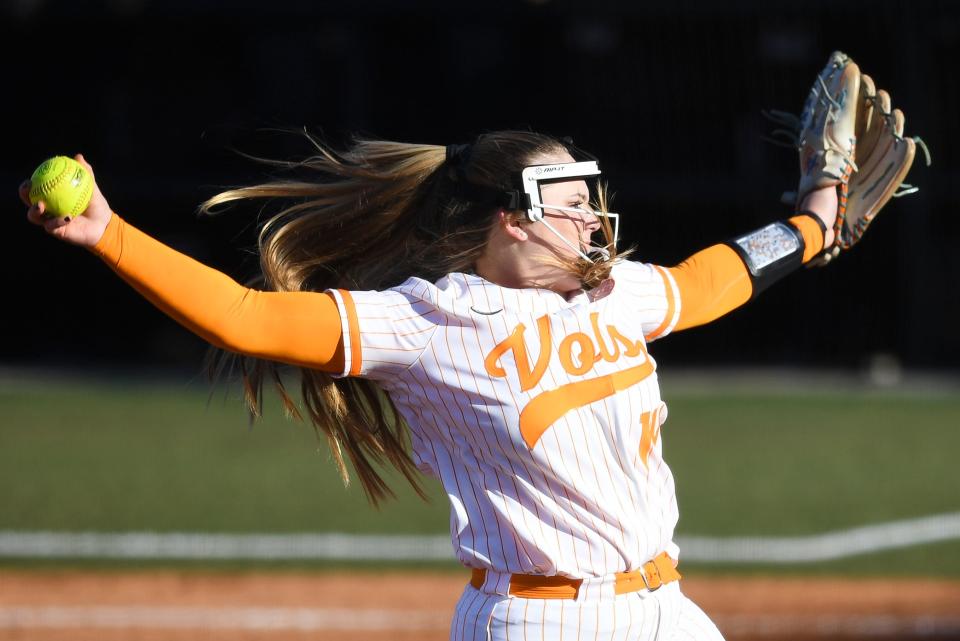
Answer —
547 408
474 309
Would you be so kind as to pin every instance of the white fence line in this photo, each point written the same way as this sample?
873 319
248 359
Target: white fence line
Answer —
366 547
187 545
823 547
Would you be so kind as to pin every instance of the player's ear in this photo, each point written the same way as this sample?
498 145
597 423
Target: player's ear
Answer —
512 226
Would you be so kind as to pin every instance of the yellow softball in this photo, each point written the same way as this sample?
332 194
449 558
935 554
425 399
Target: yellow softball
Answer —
63 185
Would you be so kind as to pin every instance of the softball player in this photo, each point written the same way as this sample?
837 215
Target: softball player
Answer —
453 297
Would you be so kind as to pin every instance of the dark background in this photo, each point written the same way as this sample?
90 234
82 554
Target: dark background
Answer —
160 96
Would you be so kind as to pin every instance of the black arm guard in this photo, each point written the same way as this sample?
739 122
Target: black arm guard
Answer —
770 253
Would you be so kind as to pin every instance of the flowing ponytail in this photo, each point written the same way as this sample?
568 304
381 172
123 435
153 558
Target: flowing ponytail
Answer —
367 219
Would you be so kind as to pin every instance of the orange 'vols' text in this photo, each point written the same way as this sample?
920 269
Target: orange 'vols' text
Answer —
579 352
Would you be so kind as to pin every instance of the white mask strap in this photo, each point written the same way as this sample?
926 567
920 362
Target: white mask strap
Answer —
579 210
565 241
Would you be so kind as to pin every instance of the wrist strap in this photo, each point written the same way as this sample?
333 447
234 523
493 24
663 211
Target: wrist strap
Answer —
817 219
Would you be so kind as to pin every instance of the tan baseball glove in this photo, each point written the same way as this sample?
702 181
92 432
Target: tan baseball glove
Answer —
848 137
827 138
884 156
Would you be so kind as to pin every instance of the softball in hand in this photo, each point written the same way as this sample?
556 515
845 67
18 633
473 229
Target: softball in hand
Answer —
63 185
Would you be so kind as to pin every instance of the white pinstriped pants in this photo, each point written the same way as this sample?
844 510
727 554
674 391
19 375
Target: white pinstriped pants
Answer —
663 615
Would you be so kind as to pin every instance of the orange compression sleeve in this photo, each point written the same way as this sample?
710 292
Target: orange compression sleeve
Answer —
716 281
712 282
299 328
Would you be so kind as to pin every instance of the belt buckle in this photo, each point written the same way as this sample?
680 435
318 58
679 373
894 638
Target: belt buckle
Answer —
643 573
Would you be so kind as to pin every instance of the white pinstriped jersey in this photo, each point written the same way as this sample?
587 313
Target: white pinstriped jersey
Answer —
540 416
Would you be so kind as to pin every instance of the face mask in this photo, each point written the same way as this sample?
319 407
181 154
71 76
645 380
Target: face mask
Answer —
535 176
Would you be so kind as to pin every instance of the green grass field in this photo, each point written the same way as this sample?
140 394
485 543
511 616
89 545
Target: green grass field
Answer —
162 457
789 465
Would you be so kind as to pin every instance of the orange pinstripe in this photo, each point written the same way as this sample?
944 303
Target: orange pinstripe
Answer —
584 527
489 322
453 422
613 628
588 437
483 436
513 445
561 624
543 623
526 608
585 530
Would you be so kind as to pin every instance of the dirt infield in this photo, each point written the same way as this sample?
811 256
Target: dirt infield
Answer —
174 606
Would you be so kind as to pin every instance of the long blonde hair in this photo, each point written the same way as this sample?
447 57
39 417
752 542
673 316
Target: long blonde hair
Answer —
367 219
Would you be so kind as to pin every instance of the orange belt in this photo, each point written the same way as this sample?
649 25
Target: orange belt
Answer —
654 574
